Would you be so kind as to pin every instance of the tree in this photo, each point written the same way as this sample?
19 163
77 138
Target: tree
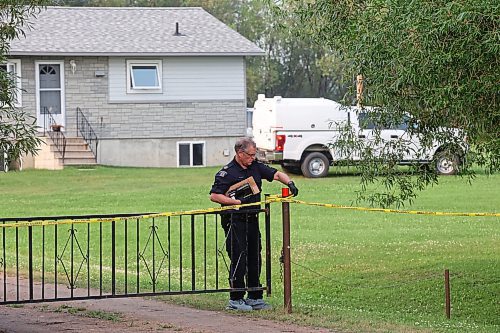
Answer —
437 61
17 128
291 66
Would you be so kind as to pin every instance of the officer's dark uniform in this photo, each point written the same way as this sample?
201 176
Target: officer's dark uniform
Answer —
242 229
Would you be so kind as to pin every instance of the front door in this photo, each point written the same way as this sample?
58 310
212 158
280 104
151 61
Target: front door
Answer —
50 93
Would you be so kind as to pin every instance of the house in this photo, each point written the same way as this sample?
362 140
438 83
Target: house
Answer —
160 87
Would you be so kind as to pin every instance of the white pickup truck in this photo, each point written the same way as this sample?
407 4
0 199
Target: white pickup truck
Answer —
297 133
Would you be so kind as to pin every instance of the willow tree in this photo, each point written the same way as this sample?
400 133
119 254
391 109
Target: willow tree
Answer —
17 128
437 61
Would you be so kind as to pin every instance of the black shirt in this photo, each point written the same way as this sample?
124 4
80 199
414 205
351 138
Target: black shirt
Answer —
233 173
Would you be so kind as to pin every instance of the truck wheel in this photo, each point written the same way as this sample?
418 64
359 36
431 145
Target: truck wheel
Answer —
315 165
447 163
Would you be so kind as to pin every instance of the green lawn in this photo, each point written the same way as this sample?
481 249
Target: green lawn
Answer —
353 271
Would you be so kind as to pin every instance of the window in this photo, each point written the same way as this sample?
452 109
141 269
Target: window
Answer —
403 125
13 68
190 154
365 122
144 76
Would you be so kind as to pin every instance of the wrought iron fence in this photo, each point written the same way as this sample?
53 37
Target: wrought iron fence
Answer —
45 259
84 129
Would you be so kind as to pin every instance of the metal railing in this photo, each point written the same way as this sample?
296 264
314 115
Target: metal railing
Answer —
54 131
85 130
44 259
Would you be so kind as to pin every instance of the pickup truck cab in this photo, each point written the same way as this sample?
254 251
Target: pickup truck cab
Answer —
298 134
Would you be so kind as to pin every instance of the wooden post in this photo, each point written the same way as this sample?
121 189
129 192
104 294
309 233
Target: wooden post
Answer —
359 90
287 271
447 293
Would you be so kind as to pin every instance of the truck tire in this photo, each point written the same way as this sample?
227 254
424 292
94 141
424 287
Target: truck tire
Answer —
447 163
315 165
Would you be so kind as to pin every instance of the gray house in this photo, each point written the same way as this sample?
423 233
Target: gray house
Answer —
160 87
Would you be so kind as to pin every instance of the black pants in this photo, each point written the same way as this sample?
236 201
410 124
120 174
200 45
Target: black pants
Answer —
243 246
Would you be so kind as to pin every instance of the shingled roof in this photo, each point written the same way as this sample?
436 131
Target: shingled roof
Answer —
131 31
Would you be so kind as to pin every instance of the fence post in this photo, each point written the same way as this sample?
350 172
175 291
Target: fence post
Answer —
268 245
30 260
72 234
113 258
287 272
193 255
447 293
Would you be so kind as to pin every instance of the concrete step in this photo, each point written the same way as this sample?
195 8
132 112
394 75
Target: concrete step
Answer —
74 140
79 161
71 146
78 154
77 147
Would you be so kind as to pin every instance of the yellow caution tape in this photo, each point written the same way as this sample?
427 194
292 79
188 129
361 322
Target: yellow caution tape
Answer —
122 218
386 210
269 199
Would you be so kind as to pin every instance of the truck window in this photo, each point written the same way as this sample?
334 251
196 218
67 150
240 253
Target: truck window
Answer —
403 125
364 121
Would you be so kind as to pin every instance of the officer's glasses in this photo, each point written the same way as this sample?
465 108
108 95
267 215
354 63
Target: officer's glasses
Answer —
250 155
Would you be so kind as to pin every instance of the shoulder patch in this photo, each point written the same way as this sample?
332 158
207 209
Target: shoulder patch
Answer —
222 173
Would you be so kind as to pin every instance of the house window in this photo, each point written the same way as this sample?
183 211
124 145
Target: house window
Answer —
190 154
13 68
144 76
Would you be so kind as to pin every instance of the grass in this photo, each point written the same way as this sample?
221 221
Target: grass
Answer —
354 271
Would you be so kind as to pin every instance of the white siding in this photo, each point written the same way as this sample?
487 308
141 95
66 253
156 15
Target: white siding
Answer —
185 78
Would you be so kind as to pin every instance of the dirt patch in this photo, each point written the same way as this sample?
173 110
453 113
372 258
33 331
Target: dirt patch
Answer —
131 315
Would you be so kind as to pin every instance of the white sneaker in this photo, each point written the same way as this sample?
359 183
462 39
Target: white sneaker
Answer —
257 304
239 305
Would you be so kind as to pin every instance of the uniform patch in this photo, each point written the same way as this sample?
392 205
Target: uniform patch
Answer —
222 173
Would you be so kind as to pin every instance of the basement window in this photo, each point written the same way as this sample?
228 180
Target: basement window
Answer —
144 76
190 154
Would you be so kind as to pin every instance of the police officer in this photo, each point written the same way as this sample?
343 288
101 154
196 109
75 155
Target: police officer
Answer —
243 241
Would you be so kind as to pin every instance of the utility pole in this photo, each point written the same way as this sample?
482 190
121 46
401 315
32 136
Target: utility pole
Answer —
359 90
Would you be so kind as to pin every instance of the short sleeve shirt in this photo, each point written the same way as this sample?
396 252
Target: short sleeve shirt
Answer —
233 173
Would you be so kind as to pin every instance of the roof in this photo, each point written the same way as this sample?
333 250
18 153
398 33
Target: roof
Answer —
131 31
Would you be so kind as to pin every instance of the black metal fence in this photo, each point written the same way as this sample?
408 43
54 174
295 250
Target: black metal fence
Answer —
45 259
